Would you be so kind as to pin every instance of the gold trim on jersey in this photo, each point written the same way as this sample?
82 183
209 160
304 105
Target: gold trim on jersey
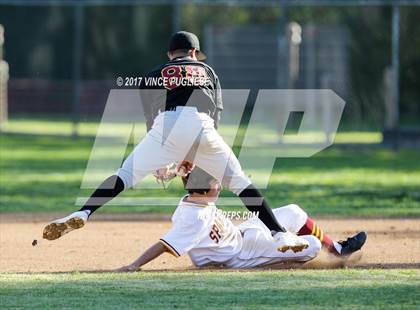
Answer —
170 248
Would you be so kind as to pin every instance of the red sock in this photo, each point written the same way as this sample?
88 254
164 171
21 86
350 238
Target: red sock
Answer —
311 228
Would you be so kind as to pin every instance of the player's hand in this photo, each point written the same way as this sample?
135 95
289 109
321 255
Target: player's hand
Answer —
171 171
128 268
183 168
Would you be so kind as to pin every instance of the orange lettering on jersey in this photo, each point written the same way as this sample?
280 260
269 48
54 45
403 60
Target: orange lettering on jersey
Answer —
215 233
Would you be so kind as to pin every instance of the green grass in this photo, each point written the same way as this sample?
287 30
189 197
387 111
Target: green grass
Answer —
291 289
62 126
40 173
44 173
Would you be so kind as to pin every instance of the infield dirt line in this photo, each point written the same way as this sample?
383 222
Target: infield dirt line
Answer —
105 245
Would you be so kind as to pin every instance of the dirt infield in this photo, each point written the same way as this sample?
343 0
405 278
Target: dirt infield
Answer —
104 245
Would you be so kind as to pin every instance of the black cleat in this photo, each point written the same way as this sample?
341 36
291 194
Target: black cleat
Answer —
353 244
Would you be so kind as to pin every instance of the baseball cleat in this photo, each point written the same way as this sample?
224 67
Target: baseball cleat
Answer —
288 241
60 227
353 244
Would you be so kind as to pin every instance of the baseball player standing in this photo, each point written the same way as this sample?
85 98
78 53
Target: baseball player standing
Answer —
182 114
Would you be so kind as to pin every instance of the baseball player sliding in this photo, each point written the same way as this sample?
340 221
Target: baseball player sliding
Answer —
209 238
181 117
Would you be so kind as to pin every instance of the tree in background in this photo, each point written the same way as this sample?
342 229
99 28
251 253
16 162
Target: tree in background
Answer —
129 40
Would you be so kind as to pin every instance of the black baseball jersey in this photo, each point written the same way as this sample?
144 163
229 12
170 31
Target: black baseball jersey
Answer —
179 78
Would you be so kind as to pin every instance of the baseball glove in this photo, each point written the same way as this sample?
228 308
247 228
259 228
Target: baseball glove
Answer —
171 171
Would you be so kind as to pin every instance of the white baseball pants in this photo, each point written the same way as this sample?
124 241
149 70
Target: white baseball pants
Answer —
184 134
259 248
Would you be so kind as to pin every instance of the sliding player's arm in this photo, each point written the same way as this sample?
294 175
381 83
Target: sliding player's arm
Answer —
184 234
150 254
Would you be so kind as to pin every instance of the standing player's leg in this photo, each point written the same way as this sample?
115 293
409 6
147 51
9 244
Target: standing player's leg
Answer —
109 189
297 221
170 139
149 155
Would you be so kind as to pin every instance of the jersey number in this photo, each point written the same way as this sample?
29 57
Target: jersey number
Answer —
173 75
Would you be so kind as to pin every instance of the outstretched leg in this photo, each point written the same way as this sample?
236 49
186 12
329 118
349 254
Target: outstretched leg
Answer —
108 190
347 247
149 155
255 202
296 220
312 228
